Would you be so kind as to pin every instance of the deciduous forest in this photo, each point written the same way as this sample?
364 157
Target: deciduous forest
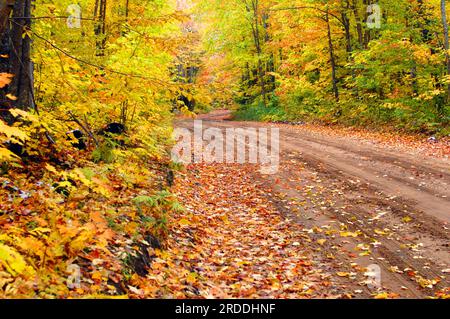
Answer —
93 205
332 61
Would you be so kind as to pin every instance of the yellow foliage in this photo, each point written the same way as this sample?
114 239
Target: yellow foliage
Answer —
25 115
12 132
13 262
7 155
85 237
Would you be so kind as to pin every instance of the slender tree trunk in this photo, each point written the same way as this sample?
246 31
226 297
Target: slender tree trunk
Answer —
100 28
446 42
367 31
259 51
271 68
346 24
270 63
359 29
348 36
414 84
256 38
332 58
348 40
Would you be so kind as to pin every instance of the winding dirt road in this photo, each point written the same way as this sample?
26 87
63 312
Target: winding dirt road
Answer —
362 204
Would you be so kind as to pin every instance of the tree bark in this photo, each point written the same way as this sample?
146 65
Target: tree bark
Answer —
261 73
367 31
359 29
5 11
100 28
254 10
16 46
6 8
446 42
332 58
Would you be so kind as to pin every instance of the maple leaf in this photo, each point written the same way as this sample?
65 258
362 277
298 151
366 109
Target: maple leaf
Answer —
5 79
7 155
13 262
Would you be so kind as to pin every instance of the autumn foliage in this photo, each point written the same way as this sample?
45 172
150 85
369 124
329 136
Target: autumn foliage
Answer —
340 61
88 204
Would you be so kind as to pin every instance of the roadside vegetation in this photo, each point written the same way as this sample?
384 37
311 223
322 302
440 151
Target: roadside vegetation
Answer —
85 172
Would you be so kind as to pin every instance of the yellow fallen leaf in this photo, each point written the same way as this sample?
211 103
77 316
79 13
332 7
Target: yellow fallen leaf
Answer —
380 232
349 234
97 275
365 253
7 155
40 231
51 169
425 283
11 131
383 295
13 262
321 242
79 291
407 219
192 278
343 274
225 219
184 222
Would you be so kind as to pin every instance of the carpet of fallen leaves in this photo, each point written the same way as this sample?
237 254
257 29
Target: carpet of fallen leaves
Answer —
230 243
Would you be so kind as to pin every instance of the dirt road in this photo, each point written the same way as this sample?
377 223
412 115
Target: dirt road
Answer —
363 204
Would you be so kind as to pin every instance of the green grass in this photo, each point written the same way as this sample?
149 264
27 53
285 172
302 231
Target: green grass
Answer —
260 113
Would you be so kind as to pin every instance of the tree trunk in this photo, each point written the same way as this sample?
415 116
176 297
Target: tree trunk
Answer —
100 28
346 25
348 40
332 58
254 10
5 12
367 31
257 39
16 46
446 42
359 29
